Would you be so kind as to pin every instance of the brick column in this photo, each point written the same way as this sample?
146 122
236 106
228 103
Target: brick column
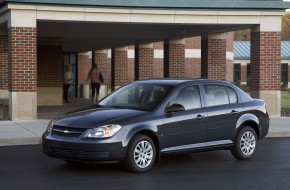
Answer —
119 67
84 66
243 73
192 57
174 58
104 65
49 75
3 63
144 61
158 60
131 63
229 56
213 56
266 65
22 72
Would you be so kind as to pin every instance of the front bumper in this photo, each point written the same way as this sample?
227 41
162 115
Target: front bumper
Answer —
87 151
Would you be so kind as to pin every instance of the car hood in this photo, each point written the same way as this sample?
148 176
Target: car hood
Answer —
94 117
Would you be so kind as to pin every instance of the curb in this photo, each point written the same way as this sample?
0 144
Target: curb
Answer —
22 141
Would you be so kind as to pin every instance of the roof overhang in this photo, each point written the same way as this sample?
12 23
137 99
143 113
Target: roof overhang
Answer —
166 4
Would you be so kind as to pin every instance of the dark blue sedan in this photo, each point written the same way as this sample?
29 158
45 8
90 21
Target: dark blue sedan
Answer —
141 121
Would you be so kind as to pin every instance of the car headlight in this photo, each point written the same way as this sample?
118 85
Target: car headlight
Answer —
49 126
104 131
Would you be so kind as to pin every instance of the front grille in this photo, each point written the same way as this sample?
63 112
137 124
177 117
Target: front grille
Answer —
77 154
67 131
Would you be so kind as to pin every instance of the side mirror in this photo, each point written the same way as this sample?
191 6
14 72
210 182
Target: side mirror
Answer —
174 108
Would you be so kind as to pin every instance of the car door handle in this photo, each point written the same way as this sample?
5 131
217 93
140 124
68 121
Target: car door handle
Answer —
234 112
200 117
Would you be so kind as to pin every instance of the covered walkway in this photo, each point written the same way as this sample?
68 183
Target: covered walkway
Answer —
34 35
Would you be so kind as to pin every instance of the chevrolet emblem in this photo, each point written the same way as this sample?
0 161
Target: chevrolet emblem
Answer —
66 131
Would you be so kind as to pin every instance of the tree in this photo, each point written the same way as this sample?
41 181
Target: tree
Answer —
243 35
285 32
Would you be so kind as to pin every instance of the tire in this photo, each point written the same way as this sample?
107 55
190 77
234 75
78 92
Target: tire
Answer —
141 154
245 145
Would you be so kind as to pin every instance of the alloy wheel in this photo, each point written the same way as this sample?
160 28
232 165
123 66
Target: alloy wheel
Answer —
248 143
143 154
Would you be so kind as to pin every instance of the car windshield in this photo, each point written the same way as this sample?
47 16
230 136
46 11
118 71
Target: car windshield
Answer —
140 96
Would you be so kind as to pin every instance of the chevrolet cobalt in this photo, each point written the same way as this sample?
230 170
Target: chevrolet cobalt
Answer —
141 121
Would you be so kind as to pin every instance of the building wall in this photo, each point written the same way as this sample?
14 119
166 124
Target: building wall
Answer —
84 66
193 57
3 63
131 63
22 72
158 60
49 75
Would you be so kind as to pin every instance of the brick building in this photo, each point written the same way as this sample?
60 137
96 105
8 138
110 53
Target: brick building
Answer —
131 40
242 64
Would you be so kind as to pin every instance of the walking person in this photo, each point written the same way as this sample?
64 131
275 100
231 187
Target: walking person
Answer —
67 82
96 78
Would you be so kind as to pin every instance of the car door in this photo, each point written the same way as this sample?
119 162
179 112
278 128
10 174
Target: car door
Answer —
185 130
224 109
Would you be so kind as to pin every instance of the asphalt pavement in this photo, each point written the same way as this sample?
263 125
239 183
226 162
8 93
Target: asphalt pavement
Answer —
26 168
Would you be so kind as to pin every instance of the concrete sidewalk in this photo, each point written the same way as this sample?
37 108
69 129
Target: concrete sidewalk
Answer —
30 132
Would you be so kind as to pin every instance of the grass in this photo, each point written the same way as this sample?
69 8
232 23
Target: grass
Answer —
285 99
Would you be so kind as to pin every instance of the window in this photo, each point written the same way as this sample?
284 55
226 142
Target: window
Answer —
188 97
284 73
248 73
232 95
216 95
137 96
237 73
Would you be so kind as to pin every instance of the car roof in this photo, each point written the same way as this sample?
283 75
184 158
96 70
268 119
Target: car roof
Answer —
177 81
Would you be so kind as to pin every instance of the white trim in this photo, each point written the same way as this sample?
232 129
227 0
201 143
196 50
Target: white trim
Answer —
109 54
229 55
242 62
192 53
22 18
268 24
26 16
131 53
158 54
285 61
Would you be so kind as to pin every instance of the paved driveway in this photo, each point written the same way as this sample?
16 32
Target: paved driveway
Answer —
26 168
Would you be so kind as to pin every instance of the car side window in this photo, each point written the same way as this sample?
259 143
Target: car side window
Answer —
232 95
216 95
188 97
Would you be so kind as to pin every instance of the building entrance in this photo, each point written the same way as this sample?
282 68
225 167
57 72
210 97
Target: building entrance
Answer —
71 59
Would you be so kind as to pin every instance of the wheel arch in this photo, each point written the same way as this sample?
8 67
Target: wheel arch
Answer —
251 121
150 132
